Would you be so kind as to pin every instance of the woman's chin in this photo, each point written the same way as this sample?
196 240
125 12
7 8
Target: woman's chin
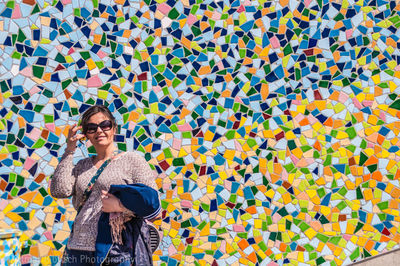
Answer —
102 143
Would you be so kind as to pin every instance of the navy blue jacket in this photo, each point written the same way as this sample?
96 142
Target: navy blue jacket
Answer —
144 202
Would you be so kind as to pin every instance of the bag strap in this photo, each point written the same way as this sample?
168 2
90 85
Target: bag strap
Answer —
88 190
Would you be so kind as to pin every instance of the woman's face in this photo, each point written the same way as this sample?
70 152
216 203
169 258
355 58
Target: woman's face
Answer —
102 135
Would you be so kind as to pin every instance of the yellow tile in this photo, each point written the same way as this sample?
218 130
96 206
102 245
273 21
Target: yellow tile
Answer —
336 227
310 233
320 246
173 233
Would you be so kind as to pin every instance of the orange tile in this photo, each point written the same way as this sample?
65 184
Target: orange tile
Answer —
228 78
397 176
247 61
47 76
327 171
144 55
149 147
252 70
104 15
369 23
304 122
336 56
391 42
331 246
282 29
378 91
311 106
97 38
359 116
393 204
329 122
396 238
169 82
133 116
317 145
371 160
204 25
243 244
197 80
259 23
177 256
278 168
333 68
377 149
3 184
186 196
208 13
353 170
67 94
377 175
284 3
40 178
338 123
336 146
275 178
116 89
184 113
268 252
334 96
384 239
251 209
264 91
34 251
146 15
297 14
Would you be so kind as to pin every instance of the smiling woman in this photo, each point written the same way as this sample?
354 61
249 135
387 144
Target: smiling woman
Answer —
103 188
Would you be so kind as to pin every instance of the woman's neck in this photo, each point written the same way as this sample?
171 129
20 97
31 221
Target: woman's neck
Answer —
105 152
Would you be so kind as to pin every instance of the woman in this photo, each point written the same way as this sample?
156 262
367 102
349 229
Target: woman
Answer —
99 127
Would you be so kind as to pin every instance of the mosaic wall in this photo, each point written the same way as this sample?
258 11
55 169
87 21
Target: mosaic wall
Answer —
273 125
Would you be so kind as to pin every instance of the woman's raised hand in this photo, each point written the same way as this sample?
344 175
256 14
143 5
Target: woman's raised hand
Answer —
111 203
73 137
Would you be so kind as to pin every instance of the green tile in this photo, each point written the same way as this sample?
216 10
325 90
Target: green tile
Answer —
173 13
38 71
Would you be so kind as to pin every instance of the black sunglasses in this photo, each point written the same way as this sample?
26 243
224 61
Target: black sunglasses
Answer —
91 128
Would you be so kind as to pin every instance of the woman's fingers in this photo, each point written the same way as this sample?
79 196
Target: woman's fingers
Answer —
73 129
79 136
72 133
104 194
110 202
76 128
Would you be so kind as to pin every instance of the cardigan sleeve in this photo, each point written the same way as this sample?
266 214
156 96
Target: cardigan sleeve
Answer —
63 180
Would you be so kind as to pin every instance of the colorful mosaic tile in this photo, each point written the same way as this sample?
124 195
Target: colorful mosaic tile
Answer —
273 125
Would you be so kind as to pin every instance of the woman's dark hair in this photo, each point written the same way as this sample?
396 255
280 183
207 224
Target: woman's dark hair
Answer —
94 110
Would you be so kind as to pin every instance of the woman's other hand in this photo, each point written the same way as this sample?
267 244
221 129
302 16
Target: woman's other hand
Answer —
111 203
73 137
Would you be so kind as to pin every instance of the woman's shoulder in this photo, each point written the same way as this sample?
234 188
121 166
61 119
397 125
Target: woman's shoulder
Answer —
132 155
83 164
